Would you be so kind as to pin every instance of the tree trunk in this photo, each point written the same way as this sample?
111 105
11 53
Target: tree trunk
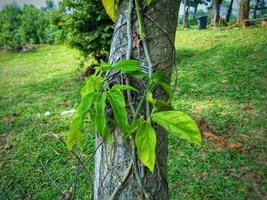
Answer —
179 5
195 12
112 162
229 11
186 14
243 12
254 16
215 12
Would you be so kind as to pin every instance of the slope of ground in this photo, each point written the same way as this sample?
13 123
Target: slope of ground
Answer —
222 84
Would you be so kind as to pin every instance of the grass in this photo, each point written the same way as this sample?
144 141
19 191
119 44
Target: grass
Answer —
222 81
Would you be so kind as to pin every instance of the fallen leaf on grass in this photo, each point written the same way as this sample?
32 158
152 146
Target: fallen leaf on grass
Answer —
203 127
220 141
9 119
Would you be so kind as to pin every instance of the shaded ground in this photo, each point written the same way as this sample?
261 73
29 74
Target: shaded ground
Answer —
222 84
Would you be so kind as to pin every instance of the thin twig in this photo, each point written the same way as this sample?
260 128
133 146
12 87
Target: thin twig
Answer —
76 179
80 169
51 179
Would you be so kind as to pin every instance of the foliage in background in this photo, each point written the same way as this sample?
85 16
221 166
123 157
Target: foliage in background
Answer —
85 26
27 25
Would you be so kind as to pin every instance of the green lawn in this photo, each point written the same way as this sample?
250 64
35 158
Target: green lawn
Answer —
222 81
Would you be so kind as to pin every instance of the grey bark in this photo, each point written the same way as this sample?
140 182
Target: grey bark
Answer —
215 12
186 14
229 11
112 161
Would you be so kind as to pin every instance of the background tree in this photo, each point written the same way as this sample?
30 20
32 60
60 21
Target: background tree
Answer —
186 14
112 172
258 8
9 24
86 26
216 12
33 25
243 13
179 5
229 11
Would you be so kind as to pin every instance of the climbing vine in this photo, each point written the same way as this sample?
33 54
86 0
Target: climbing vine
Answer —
98 94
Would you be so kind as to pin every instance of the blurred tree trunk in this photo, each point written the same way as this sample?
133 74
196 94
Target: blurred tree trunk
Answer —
215 12
195 12
186 14
113 162
243 12
179 5
229 11
254 16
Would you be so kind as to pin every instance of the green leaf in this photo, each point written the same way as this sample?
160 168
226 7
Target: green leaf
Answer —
179 124
117 102
86 104
148 2
92 84
162 105
111 9
135 125
127 65
100 118
124 87
145 141
75 134
104 66
150 99
137 74
159 78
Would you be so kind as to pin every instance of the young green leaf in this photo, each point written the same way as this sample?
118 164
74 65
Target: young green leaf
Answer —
148 2
75 134
104 66
124 87
111 9
117 102
135 125
160 79
145 141
150 99
162 105
86 104
127 65
179 124
92 84
137 74
100 117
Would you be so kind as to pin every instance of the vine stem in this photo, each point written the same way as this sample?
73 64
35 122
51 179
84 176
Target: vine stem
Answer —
122 181
129 50
147 55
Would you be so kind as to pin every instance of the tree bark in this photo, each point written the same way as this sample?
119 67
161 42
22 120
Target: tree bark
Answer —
243 12
229 11
215 12
113 162
186 14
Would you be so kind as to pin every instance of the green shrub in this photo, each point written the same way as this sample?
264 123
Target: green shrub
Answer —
85 26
